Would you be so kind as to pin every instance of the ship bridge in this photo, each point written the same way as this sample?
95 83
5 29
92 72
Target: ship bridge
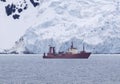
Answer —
72 50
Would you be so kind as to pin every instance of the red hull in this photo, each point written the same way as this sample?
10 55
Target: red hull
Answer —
72 53
83 55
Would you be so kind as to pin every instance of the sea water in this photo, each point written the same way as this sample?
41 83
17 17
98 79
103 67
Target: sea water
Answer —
33 69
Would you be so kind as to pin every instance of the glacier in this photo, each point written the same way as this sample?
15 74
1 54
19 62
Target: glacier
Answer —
94 23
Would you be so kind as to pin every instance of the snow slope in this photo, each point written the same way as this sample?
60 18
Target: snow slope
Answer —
12 29
92 22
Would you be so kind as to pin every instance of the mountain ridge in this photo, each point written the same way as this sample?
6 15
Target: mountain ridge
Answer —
94 23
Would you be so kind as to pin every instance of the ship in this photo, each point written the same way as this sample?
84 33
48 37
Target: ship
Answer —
71 53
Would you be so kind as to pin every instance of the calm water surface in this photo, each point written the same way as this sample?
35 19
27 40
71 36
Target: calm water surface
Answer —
25 69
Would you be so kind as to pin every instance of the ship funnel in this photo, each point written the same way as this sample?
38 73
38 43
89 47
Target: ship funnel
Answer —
52 50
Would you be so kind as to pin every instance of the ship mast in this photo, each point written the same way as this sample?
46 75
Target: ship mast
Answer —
83 47
71 45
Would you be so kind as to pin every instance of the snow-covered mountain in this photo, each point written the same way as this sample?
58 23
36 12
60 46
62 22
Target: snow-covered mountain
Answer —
1 51
96 23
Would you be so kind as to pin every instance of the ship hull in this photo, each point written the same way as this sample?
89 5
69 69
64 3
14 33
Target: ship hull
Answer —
68 56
